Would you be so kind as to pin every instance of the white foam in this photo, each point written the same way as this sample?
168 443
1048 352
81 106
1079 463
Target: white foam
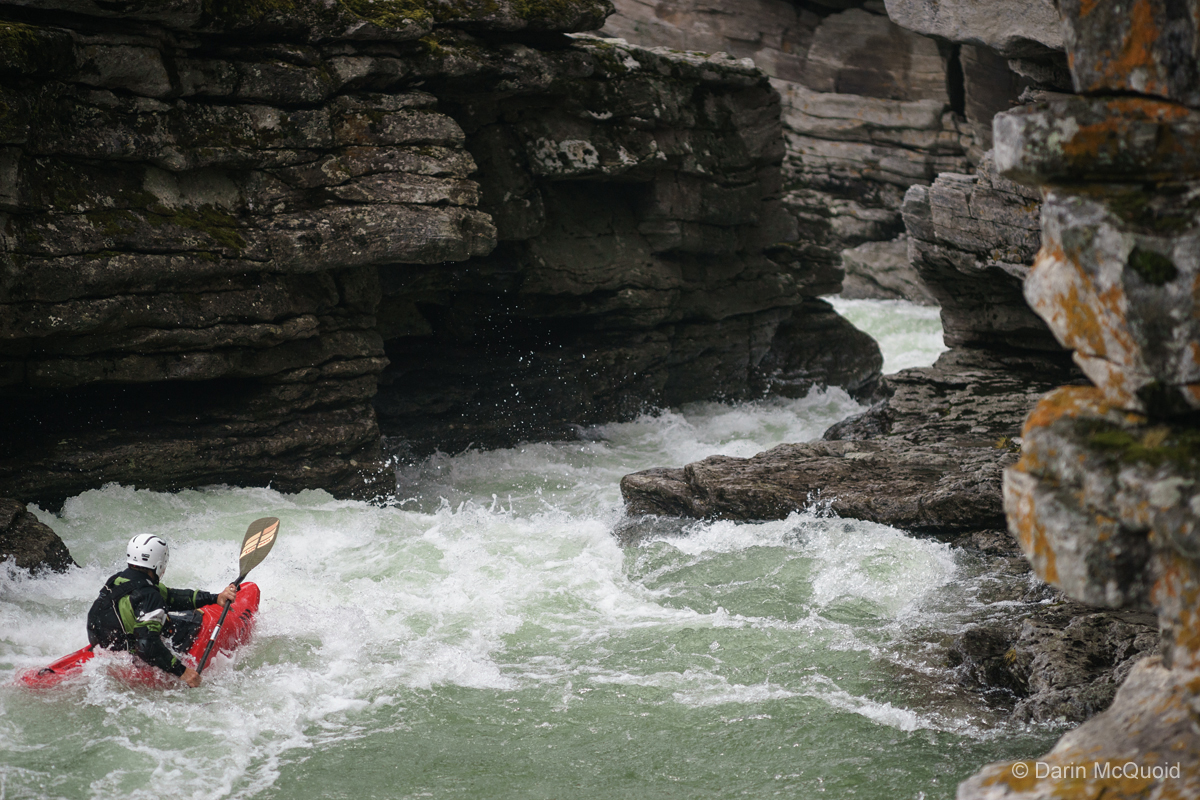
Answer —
909 335
500 577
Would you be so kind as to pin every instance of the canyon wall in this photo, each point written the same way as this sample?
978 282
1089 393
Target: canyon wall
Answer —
875 99
242 242
1104 499
930 456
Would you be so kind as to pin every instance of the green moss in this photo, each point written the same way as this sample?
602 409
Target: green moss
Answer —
18 43
544 9
113 222
218 225
388 13
432 46
1153 446
384 13
1137 209
1155 268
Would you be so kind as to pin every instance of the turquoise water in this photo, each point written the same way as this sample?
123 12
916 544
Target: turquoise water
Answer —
908 334
488 636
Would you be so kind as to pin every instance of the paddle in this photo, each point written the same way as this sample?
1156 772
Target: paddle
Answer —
260 537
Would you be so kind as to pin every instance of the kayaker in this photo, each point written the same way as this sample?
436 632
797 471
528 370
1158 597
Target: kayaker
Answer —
134 610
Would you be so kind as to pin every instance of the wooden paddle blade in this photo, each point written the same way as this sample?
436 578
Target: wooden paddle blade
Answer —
260 537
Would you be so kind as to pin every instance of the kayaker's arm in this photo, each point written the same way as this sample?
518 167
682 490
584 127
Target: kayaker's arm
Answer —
187 599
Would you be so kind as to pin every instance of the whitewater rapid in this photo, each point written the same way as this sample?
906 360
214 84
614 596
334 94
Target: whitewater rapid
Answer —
487 635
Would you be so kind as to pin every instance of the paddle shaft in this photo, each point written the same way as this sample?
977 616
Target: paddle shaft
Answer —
212 640
260 538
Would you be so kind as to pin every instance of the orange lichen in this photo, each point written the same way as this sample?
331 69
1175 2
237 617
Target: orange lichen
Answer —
1176 596
1137 52
1003 773
1036 543
1065 401
1147 109
1090 141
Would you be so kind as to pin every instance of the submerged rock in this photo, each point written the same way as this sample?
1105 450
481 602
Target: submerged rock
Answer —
31 544
1062 663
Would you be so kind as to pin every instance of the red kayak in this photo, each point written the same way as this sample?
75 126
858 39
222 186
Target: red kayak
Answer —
234 633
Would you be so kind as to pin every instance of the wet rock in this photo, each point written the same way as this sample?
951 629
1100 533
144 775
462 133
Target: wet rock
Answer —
644 257
1061 663
1145 745
882 271
30 544
929 459
253 250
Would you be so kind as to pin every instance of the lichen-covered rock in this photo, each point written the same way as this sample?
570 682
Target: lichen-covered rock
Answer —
1104 503
1126 305
1098 139
1104 498
29 543
1146 745
1144 46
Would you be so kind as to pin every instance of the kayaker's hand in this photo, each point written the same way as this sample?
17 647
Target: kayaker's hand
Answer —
191 678
226 595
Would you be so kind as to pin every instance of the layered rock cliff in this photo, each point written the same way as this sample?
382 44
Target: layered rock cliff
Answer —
241 242
1104 498
876 99
930 457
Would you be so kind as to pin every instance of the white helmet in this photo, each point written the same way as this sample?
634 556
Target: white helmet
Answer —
149 551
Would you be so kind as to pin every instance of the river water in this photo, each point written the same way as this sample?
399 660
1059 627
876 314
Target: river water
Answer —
489 636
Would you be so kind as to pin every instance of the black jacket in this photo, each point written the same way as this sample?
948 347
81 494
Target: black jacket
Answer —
131 614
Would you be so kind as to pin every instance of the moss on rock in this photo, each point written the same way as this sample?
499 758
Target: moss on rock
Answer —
1155 268
1154 445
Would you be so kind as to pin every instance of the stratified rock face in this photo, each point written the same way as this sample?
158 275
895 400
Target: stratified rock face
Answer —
29 543
867 108
972 239
1013 28
221 224
1104 499
644 255
883 271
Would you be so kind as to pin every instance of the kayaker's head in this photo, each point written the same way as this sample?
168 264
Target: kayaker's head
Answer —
148 552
